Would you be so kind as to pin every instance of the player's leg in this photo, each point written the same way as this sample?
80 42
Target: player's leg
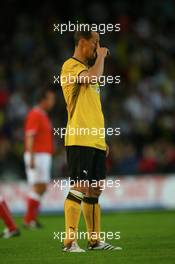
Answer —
5 214
92 214
33 205
90 204
91 207
72 210
72 205
38 179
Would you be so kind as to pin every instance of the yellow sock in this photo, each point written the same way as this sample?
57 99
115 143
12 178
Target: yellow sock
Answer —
72 209
92 215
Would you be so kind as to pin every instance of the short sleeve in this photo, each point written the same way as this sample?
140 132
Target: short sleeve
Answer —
32 123
70 72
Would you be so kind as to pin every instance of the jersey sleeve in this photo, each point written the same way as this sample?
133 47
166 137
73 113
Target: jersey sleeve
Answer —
71 71
32 123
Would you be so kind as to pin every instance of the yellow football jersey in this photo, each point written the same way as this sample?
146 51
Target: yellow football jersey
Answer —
85 126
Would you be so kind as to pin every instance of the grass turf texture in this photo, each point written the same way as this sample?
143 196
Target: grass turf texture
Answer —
146 237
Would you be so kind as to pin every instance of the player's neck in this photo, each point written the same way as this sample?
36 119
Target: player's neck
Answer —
77 55
42 107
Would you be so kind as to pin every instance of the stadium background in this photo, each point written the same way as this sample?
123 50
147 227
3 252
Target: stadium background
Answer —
143 106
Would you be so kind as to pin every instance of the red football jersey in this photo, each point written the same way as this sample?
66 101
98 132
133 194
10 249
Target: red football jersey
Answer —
38 124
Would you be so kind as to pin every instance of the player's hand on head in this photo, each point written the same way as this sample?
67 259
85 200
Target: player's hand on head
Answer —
102 51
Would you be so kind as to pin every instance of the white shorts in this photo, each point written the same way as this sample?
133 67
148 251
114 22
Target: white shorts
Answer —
42 170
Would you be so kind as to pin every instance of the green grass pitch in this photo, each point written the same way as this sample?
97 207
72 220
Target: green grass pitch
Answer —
146 237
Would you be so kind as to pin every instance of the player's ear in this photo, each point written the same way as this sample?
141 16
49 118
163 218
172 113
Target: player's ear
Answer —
82 42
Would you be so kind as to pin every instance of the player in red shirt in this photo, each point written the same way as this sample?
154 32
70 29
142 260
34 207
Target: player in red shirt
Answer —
38 154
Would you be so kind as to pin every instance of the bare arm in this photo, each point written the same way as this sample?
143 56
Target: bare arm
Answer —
29 148
107 150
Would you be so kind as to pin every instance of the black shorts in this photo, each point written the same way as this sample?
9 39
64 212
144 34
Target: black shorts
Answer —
86 163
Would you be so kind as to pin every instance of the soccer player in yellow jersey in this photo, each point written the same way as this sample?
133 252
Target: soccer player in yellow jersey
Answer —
85 143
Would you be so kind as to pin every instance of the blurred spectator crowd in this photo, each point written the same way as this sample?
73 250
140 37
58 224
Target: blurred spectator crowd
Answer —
142 105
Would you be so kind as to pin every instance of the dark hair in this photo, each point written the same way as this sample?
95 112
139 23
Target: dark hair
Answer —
86 34
42 93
